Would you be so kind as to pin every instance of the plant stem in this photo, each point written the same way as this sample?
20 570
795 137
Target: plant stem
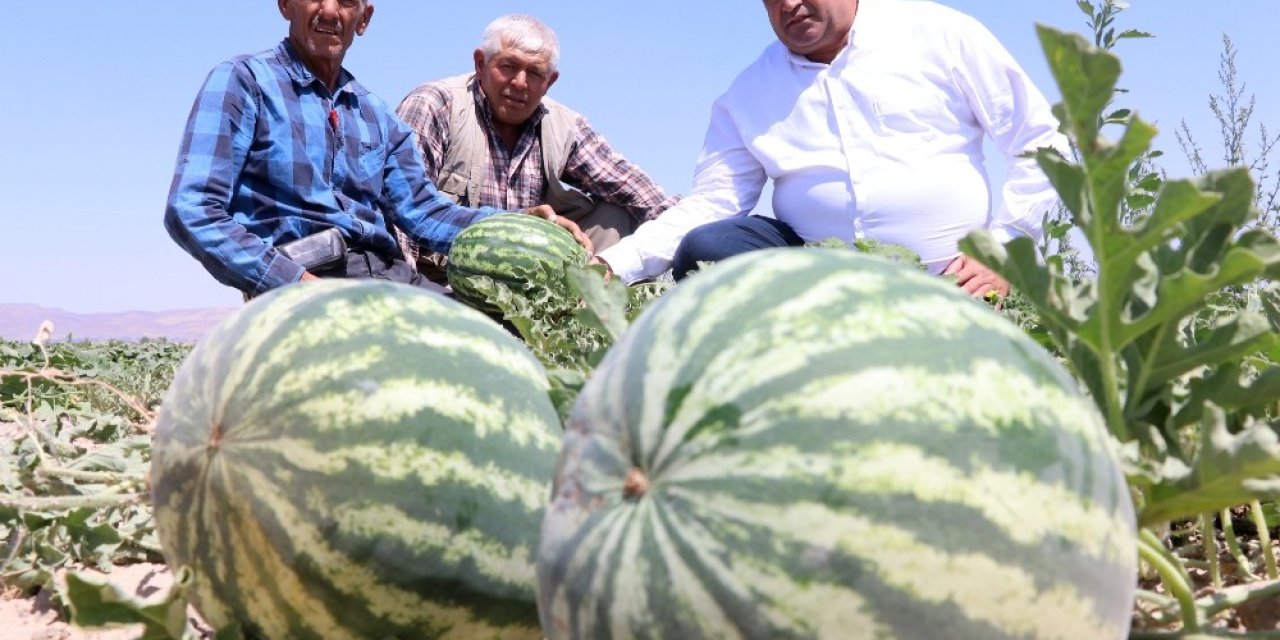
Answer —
1139 385
1244 568
1232 597
1264 538
1110 386
1160 600
67 503
1210 542
1152 551
90 477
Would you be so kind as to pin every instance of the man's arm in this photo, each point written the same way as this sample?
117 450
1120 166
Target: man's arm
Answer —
1018 119
727 182
596 168
412 201
215 144
426 110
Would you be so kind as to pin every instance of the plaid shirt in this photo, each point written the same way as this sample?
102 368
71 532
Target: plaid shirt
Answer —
270 155
515 180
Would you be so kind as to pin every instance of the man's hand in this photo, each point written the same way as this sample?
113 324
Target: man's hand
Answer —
308 276
545 212
975 278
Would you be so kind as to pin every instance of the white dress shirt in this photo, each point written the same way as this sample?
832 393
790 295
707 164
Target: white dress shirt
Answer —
883 143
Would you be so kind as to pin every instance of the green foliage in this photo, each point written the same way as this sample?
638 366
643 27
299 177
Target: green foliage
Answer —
570 323
1125 333
889 251
74 455
98 603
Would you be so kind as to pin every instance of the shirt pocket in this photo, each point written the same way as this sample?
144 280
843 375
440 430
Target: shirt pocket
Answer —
371 160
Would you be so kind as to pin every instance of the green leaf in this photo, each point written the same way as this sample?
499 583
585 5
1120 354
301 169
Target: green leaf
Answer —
1245 334
1051 294
1230 469
1229 388
566 384
1086 78
95 602
892 252
1134 33
604 304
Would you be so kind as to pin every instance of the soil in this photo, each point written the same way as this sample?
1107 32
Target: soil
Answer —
37 618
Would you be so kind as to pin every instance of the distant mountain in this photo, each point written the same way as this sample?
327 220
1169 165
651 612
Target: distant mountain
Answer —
22 321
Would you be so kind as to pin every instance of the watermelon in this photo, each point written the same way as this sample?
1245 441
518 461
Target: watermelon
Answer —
520 251
357 459
817 443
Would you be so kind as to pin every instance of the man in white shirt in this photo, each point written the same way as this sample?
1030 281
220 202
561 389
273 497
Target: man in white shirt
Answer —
869 117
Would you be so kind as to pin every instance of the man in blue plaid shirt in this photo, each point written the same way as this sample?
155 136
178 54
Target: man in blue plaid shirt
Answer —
286 144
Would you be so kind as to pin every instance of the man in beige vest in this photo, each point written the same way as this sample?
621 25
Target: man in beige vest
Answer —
492 138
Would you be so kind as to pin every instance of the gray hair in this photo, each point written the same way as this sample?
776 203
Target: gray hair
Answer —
526 33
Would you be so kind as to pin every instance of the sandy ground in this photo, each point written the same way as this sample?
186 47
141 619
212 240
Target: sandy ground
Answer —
37 619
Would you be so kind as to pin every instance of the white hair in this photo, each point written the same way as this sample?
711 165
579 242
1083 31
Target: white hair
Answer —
526 33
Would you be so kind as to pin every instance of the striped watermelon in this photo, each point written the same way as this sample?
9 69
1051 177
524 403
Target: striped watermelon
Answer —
816 443
357 459
513 249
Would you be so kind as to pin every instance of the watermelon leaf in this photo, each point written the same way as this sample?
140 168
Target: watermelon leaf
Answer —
604 303
1147 334
96 602
1231 468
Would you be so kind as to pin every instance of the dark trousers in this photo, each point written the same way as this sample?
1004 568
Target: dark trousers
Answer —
364 264
726 238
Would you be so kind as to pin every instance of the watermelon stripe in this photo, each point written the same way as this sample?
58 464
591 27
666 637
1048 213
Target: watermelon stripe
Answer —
357 459
422 467
515 251
875 469
835 447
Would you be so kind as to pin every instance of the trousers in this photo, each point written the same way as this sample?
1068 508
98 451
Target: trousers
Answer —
722 239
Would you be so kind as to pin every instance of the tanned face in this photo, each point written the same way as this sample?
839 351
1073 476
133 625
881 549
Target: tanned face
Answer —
322 30
816 29
514 82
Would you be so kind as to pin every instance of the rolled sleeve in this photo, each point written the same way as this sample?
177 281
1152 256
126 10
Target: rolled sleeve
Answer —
215 143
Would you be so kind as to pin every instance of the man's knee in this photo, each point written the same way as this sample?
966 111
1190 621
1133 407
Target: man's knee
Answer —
708 243
704 243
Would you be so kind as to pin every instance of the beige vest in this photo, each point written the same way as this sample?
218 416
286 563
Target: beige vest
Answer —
464 162
462 173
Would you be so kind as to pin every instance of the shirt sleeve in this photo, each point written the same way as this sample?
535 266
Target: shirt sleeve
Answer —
412 201
727 182
1019 120
216 141
426 110
597 169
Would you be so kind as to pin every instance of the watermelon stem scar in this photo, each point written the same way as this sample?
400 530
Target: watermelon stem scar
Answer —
636 484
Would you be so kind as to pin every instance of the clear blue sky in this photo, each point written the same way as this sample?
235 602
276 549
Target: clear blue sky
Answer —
98 92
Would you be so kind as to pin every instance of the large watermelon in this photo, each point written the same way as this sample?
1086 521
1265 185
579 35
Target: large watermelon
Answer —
520 251
815 443
357 459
